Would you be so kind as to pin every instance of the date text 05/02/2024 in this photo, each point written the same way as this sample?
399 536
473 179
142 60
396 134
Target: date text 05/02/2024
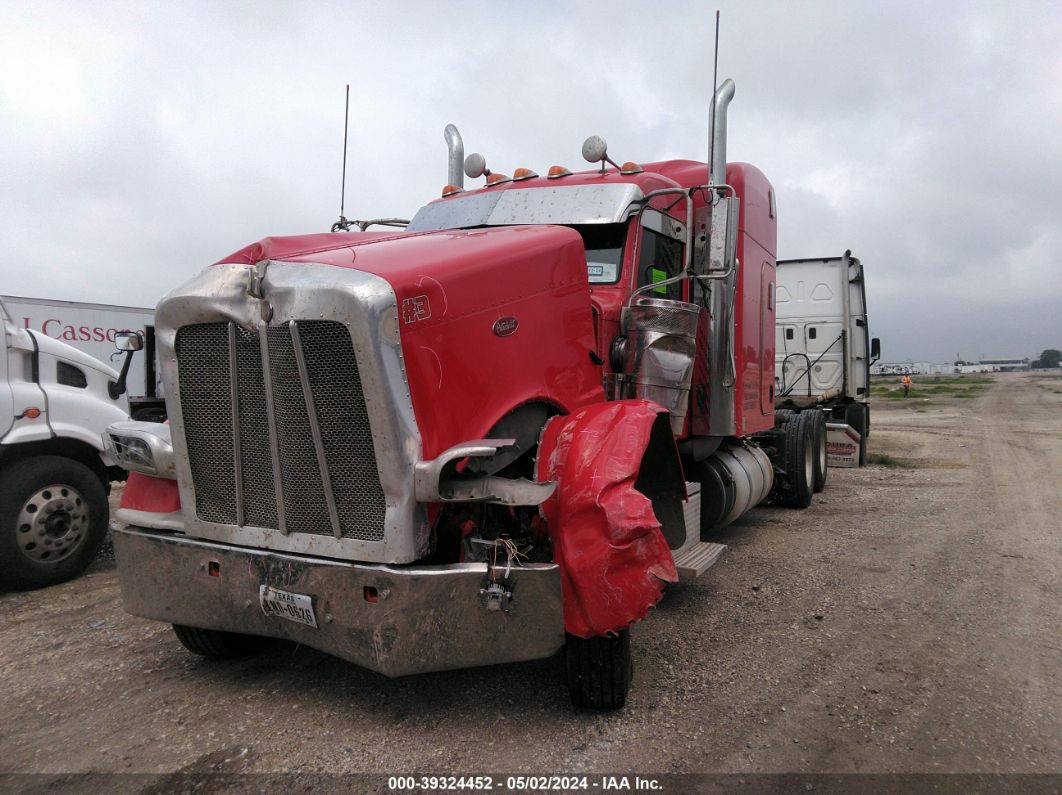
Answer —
523 783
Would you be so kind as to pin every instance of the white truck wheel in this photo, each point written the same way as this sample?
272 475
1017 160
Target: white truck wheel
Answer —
53 520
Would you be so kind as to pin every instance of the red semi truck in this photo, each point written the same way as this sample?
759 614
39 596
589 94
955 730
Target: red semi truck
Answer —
498 431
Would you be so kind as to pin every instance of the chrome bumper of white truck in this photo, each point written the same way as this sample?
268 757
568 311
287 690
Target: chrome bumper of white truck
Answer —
393 620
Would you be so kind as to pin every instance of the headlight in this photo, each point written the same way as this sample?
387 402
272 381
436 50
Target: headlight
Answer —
143 447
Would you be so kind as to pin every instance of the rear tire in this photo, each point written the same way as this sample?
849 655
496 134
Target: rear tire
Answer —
215 644
599 670
856 416
822 461
53 520
799 462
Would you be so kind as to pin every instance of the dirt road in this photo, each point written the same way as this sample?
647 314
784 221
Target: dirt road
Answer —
907 622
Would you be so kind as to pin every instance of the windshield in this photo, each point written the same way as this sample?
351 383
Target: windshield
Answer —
604 251
597 212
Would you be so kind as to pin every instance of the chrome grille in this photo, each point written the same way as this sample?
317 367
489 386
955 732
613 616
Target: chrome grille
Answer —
228 480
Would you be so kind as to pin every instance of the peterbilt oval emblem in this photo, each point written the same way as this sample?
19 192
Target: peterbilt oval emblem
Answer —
504 326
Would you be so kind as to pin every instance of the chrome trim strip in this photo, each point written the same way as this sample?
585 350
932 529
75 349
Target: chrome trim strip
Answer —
237 445
271 420
315 429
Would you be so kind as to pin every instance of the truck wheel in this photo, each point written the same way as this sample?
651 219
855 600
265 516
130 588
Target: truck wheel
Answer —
856 416
599 670
822 461
215 644
53 520
799 461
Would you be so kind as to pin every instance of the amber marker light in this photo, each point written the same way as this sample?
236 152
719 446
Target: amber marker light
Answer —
556 172
497 179
631 168
523 173
31 413
450 190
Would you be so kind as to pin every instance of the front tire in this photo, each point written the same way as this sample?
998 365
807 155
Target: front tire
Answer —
215 644
53 520
599 670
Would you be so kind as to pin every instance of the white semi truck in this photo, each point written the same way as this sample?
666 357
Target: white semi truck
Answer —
91 328
55 403
823 349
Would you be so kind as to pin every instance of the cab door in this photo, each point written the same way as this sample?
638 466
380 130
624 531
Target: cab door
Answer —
660 255
768 327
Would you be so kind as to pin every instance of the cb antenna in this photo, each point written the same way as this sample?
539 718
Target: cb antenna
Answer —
711 109
343 224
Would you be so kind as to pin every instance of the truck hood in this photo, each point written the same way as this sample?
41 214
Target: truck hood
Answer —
488 318
457 272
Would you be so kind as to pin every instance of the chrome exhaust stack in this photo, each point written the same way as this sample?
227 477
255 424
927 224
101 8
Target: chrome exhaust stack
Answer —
456 148
717 145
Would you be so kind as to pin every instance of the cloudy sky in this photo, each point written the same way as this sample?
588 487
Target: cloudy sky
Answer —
140 141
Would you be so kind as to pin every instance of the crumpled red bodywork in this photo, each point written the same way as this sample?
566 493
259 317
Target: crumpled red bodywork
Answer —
614 559
155 495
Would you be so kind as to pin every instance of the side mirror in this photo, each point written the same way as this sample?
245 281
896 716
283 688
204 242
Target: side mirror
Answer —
128 341
875 349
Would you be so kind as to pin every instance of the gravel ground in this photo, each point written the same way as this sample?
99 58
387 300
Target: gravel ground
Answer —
907 622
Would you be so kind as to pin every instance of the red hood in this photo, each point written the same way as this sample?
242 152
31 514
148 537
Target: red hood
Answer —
460 270
452 288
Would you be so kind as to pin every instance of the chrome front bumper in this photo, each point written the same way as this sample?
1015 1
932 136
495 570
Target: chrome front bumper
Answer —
425 618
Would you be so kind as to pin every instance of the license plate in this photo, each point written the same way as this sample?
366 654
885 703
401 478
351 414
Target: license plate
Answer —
295 607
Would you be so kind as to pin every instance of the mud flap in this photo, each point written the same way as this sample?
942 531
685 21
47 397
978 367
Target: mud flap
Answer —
607 541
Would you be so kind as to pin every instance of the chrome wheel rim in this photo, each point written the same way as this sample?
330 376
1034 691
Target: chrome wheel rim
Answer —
809 465
822 451
53 523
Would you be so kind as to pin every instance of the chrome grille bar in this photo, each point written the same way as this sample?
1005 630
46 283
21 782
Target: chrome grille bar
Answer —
315 429
274 443
234 391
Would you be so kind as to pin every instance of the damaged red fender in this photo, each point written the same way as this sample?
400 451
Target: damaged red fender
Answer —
614 560
154 495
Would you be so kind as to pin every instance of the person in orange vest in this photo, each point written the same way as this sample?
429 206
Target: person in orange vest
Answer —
906 381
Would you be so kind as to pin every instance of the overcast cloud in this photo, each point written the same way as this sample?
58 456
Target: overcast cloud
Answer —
141 141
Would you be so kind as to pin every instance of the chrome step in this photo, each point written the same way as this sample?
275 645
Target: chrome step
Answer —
695 557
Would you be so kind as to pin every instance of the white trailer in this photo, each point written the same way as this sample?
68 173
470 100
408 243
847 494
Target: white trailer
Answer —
90 328
823 349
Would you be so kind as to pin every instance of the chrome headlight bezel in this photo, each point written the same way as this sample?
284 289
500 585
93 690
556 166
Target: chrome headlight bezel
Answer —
143 447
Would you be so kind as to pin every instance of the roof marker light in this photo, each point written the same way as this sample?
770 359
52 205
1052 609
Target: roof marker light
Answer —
523 173
631 168
450 190
556 172
497 179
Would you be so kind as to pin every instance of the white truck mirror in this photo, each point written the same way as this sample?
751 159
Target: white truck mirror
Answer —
128 340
